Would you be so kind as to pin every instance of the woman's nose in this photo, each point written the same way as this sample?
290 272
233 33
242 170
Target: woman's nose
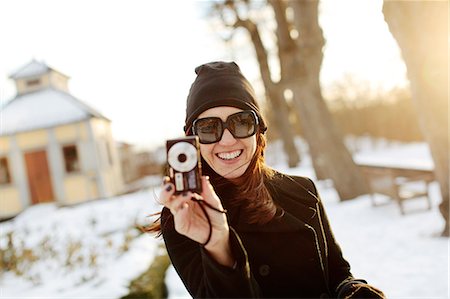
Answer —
227 138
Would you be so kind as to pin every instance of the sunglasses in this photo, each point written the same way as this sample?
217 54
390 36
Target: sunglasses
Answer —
241 125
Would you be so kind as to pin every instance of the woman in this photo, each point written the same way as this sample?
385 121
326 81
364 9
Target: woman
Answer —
252 232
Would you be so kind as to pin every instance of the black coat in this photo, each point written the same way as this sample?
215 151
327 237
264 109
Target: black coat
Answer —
293 256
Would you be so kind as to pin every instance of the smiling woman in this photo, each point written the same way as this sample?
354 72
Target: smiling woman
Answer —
252 232
230 153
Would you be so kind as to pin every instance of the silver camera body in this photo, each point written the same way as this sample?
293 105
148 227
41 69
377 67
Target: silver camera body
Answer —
184 164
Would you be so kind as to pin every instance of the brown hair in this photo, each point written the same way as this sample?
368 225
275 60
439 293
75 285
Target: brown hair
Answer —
255 199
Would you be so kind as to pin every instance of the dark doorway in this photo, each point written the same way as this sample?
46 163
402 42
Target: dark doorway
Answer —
39 180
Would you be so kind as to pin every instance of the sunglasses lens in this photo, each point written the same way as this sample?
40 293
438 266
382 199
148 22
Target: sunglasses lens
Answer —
242 124
209 130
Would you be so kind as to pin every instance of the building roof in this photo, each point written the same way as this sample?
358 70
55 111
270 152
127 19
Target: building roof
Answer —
43 109
32 69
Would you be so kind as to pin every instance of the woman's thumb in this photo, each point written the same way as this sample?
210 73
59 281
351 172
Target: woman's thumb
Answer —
207 189
206 185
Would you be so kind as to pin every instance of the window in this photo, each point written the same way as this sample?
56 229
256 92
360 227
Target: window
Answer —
5 177
71 158
33 82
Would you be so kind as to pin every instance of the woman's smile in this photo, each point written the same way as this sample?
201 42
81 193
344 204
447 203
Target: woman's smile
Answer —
228 157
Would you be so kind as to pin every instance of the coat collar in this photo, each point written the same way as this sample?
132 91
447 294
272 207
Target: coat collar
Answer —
293 194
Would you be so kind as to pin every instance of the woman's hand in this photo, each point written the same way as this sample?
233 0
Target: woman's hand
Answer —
190 219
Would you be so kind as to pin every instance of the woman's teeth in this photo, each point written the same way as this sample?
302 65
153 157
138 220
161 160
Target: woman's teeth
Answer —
230 155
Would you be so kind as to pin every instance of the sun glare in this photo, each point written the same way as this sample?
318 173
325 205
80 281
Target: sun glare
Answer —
358 43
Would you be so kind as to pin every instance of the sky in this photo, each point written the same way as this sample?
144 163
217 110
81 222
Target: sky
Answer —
134 60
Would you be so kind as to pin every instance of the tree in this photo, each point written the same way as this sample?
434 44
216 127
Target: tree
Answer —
277 104
300 41
421 31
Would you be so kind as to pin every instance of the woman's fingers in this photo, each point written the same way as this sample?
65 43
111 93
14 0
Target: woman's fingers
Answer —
208 193
207 189
182 213
171 201
166 180
178 202
167 191
194 214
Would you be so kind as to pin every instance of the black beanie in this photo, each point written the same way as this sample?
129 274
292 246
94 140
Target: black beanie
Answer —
220 84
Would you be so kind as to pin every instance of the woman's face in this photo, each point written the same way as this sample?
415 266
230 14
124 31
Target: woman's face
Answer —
230 156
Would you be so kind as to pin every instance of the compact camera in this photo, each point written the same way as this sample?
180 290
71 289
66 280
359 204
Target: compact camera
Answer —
184 164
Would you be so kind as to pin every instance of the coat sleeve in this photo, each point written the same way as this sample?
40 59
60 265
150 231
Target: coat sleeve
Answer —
342 284
201 274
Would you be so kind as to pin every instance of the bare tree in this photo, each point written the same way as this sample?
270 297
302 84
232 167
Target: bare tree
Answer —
300 58
421 31
279 110
321 132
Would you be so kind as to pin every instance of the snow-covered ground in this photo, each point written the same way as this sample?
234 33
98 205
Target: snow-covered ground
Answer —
92 250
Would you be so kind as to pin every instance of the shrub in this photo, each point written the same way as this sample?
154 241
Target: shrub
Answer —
151 283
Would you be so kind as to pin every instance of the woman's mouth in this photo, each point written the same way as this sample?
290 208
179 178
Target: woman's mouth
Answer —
229 155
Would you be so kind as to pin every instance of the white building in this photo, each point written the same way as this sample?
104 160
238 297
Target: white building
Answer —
53 147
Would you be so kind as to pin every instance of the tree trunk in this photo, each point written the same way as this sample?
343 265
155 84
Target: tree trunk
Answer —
300 62
323 136
286 131
421 31
274 95
287 54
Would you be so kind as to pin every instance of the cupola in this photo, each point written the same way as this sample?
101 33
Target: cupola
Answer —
37 75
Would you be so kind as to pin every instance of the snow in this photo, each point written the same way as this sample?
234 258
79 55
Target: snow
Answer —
34 68
101 229
401 255
415 156
42 109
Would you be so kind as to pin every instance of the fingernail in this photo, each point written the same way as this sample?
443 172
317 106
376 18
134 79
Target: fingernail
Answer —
169 188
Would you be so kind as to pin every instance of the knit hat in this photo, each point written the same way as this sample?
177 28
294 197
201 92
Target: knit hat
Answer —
220 84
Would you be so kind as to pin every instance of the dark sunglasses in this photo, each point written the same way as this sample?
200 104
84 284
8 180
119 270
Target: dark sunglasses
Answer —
241 125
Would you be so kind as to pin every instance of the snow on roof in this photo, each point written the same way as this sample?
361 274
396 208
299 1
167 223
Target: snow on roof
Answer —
31 69
43 109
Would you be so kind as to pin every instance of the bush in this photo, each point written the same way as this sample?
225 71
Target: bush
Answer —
151 283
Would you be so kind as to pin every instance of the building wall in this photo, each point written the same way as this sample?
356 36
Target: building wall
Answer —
129 162
10 203
80 185
32 140
52 78
99 173
23 87
59 81
108 157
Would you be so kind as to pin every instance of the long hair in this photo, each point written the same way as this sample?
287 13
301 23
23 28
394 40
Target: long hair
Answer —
253 195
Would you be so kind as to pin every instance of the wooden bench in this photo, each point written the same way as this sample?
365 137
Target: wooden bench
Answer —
396 183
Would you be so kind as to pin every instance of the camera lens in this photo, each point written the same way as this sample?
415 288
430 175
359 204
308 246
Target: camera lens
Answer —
182 158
